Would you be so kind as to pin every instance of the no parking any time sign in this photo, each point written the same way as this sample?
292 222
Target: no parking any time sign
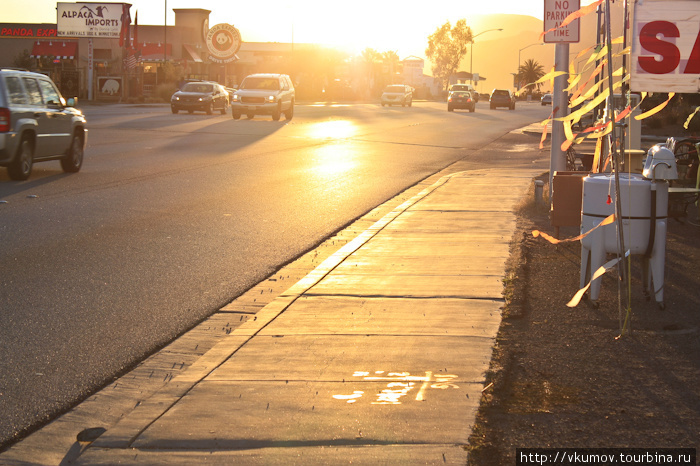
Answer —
555 12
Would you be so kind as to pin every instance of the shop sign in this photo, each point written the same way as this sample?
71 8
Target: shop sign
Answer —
89 19
29 31
555 12
109 87
666 47
223 41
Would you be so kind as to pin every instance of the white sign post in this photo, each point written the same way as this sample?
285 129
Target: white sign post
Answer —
666 47
555 12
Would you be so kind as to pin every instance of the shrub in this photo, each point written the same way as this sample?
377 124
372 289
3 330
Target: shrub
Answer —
164 92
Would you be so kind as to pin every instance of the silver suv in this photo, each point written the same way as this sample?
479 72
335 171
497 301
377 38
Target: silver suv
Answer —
37 124
267 94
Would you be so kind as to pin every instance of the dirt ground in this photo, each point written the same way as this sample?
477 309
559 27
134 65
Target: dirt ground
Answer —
563 377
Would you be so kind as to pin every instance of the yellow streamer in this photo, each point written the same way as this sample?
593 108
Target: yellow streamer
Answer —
598 273
573 82
687 123
618 72
580 89
606 221
625 51
551 75
590 106
589 93
618 40
598 135
656 109
567 132
596 156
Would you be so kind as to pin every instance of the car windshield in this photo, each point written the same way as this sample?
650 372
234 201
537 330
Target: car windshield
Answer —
458 87
198 87
394 89
501 93
266 84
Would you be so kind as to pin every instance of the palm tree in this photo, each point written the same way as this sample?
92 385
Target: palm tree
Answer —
391 60
528 73
370 57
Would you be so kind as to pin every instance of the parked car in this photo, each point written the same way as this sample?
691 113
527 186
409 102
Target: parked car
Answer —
465 87
502 98
37 124
396 94
230 91
461 99
546 99
266 94
204 96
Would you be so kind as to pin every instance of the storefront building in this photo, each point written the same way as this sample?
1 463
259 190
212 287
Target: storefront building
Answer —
148 58
142 62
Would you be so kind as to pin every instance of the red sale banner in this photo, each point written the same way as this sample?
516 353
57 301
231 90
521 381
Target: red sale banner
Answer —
666 47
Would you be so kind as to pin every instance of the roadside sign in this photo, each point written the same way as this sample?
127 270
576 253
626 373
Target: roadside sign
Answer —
103 20
555 12
666 47
223 41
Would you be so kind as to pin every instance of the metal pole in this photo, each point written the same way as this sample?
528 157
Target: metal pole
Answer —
471 61
91 68
560 103
165 32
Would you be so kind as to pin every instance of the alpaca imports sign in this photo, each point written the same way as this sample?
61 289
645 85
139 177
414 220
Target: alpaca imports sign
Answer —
223 41
102 20
666 47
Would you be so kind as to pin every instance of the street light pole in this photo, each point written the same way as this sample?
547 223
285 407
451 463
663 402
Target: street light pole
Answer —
518 69
165 33
471 52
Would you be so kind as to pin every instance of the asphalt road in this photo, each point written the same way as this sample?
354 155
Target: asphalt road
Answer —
173 216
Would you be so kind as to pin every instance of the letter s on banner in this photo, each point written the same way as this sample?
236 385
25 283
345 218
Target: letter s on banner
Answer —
649 40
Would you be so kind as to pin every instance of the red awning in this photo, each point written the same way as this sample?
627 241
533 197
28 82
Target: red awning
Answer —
193 53
153 51
55 48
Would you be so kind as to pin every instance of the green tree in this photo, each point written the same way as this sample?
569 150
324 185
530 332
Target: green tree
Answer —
447 46
528 73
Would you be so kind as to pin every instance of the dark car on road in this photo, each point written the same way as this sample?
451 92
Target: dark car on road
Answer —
502 98
461 99
200 95
37 124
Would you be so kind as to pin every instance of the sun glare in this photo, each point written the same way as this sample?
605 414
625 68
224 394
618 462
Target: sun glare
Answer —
334 129
333 159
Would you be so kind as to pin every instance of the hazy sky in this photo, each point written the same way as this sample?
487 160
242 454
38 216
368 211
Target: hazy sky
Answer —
399 26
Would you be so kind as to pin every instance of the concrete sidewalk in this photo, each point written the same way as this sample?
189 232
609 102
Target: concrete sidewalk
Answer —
377 356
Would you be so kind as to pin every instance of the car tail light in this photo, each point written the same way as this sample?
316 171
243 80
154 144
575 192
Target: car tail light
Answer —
4 120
